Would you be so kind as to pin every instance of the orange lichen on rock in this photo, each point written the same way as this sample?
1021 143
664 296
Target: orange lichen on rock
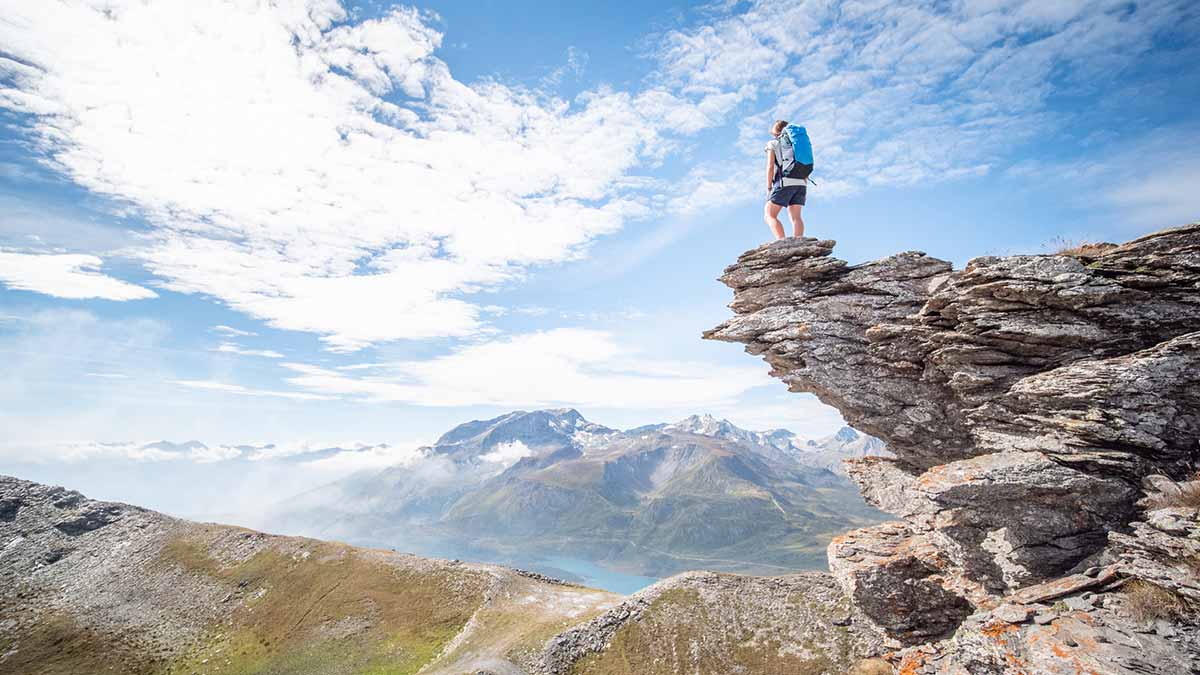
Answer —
998 629
912 663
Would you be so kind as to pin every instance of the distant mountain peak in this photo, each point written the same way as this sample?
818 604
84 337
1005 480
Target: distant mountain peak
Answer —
846 435
534 428
706 425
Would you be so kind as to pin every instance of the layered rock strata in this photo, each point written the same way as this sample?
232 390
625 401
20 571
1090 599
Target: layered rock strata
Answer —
1026 398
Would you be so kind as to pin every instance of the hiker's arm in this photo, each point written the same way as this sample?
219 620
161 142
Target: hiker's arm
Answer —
770 170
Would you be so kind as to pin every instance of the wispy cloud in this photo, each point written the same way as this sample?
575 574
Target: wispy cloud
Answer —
566 366
1158 192
229 331
231 348
901 93
230 388
291 158
67 275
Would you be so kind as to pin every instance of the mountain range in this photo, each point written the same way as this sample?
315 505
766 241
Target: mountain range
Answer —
653 500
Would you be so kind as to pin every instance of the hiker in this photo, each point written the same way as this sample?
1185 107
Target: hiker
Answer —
789 163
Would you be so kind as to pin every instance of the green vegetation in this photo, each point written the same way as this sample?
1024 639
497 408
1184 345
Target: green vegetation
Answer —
678 634
57 645
324 608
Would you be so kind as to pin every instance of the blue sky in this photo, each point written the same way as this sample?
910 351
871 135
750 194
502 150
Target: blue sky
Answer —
329 223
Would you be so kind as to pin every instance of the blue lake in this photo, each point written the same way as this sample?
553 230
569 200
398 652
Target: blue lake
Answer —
575 570
596 576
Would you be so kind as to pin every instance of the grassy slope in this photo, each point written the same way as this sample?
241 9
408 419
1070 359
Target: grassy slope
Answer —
59 646
301 606
679 635
327 608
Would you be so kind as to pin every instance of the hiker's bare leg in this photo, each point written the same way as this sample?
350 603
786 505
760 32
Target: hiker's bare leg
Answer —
797 220
771 216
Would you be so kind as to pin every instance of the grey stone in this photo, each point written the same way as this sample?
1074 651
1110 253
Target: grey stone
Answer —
1011 613
1035 404
1078 603
1043 618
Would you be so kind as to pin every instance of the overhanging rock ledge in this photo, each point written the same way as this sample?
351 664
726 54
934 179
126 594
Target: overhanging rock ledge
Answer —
1030 400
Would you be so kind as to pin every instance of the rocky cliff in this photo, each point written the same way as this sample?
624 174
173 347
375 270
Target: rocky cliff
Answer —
1038 407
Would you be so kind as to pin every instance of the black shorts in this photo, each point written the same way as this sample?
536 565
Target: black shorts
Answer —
787 196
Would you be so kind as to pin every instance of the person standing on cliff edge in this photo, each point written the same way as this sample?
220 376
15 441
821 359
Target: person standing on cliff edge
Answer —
789 163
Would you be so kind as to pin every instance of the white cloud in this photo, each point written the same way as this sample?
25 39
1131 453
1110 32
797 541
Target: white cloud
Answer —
68 275
231 348
218 453
76 451
339 458
329 175
565 366
901 93
507 453
212 385
373 457
230 331
1161 194
291 160
281 450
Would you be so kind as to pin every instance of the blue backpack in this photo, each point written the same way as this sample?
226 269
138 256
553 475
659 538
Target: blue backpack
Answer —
795 152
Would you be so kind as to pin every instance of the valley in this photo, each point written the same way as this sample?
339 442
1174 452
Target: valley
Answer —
533 488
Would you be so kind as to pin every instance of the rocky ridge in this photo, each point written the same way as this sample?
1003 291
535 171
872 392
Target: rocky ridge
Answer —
1036 404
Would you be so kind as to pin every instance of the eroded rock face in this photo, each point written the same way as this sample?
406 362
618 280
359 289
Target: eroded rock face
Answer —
947 365
1025 398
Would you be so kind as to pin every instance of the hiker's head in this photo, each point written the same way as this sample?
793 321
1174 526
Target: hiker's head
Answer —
777 127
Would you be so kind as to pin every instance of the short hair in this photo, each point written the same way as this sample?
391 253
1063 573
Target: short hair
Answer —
777 128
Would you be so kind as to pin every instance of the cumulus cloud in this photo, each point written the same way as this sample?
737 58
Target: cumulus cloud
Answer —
67 275
565 366
507 453
320 174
